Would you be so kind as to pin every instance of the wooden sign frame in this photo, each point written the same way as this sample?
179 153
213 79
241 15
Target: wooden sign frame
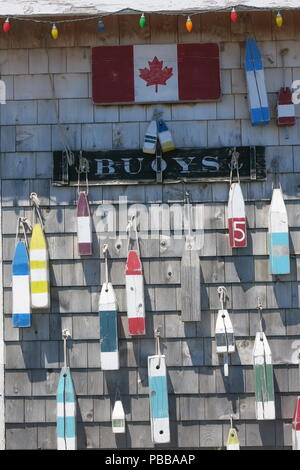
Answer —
113 167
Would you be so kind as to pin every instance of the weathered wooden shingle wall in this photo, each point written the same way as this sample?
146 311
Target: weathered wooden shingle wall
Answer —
200 400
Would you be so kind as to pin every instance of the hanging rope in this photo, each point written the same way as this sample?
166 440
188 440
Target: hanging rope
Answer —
132 226
105 254
260 309
83 167
36 208
234 165
24 222
157 345
222 291
65 334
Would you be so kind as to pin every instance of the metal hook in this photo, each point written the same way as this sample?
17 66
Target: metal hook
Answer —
260 309
222 291
65 334
157 337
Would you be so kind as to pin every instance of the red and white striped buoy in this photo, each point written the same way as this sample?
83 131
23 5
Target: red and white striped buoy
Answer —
84 225
135 294
296 426
286 115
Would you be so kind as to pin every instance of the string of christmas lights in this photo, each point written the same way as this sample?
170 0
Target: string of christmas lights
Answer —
101 25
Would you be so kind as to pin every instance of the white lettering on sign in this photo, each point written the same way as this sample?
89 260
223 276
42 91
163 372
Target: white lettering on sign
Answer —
105 166
239 228
183 163
127 166
211 162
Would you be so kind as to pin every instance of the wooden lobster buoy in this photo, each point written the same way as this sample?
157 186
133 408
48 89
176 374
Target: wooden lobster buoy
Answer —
278 235
257 94
164 136
158 395
66 406
118 418
39 269
84 225
286 115
150 140
108 316
237 217
296 426
21 308
233 442
225 343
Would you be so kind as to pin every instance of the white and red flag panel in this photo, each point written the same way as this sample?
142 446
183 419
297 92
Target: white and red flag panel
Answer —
156 73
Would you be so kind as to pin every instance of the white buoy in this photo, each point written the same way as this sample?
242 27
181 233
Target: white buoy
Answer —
118 418
150 139
236 217
278 235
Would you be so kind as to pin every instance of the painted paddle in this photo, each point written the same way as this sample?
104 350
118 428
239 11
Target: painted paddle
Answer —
257 94
286 115
38 255
236 217
21 308
108 317
278 235
296 426
150 140
224 334
233 442
158 395
164 136
135 289
84 225
190 274
66 406
39 269
118 418
264 380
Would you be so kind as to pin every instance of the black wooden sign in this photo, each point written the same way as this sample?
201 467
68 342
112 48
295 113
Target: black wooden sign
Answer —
134 166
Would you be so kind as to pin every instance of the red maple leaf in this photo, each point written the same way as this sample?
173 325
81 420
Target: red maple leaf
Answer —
156 74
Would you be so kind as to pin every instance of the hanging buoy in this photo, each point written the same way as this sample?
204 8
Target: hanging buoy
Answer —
237 217
158 395
109 351
190 273
84 226
66 406
6 25
39 269
233 15
21 307
296 426
257 93
150 139
286 114
278 235
233 442
54 32
118 418
189 24
264 379
165 137
279 19
225 343
134 289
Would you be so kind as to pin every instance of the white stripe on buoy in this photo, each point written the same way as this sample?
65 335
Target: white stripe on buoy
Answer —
165 137
135 294
264 380
296 426
39 269
84 225
224 335
278 235
109 352
257 94
236 217
233 442
118 418
158 395
150 140
21 308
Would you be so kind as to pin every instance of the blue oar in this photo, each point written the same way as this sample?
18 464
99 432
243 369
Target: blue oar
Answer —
257 94
66 406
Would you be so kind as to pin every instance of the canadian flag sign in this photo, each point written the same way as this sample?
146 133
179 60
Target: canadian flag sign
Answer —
156 73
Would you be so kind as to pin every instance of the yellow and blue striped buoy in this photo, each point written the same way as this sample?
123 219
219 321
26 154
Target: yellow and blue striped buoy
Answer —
39 270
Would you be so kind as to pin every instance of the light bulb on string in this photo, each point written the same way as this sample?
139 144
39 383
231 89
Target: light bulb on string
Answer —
189 24
101 26
54 31
6 25
233 15
279 19
142 20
